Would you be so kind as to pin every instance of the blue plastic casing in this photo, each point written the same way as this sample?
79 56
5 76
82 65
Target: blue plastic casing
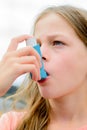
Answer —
42 71
36 46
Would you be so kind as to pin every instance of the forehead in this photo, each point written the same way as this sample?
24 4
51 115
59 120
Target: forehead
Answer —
53 23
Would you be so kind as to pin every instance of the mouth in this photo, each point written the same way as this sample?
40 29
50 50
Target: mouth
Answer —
44 79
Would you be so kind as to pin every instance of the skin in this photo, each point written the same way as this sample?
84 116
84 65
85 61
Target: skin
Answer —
66 63
17 62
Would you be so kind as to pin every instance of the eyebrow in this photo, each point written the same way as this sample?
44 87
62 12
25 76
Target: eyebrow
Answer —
64 38
55 35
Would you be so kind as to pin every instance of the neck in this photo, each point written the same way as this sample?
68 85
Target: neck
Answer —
70 108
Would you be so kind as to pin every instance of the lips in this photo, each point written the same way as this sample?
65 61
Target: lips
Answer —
43 80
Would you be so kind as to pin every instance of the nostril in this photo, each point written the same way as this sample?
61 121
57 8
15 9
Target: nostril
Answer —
43 58
47 74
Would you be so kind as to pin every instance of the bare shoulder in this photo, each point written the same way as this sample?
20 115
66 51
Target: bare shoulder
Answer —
13 114
9 120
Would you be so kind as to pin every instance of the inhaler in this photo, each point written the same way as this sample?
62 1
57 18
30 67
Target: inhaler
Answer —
32 42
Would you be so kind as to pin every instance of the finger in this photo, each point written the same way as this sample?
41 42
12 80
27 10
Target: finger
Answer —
25 68
15 41
16 63
28 60
26 51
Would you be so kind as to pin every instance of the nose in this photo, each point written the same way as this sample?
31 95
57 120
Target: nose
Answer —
43 58
45 52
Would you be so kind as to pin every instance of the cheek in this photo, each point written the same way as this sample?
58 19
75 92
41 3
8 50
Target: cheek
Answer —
68 67
63 63
67 74
68 71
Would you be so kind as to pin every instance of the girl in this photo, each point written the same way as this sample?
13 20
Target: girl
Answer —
58 102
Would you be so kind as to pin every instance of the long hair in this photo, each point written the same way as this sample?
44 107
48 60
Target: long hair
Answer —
38 108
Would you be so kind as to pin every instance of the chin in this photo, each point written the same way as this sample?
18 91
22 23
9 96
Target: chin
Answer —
47 96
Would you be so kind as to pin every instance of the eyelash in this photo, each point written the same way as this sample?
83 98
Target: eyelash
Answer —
56 43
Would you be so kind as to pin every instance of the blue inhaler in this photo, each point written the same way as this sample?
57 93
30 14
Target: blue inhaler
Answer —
32 42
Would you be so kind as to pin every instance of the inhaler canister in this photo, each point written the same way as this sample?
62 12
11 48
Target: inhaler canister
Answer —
32 42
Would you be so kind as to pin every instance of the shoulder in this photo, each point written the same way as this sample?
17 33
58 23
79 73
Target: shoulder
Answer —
83 128
9 120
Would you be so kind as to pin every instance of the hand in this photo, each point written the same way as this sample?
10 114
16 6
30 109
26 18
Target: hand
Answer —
17 62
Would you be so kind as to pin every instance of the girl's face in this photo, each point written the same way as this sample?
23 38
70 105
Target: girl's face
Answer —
64 56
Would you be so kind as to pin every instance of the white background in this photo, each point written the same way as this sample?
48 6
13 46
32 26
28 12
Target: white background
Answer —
17 16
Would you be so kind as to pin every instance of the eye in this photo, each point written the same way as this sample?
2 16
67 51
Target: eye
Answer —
57 43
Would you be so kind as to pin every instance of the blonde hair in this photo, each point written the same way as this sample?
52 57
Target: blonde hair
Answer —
38 108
